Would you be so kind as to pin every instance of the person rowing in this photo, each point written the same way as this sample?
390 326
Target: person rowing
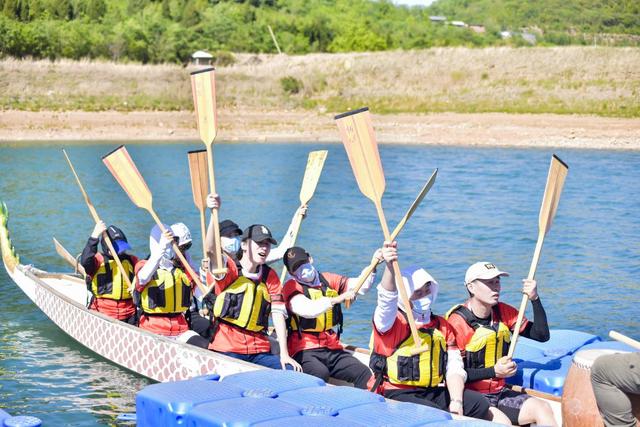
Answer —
313 302
403 376
245 296
483 328
164 288
110 293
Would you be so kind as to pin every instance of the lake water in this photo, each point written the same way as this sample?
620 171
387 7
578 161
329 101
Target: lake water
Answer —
484 206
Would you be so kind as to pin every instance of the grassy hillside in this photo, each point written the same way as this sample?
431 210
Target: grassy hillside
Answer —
582 80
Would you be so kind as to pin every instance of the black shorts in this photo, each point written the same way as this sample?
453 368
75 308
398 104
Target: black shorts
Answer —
508 401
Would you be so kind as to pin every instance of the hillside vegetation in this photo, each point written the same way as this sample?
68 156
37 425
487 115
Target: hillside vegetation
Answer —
169 31
564 80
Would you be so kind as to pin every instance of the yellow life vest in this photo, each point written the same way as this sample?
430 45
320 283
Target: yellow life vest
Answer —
426 369
167 292
488 343
325 321
108 282
245 303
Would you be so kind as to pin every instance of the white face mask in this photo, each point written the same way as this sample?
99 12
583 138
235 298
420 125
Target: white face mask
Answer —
230 245
306 273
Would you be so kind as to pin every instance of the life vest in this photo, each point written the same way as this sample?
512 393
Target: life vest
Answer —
245 303
425 369
108 282
488 343
325 321
168 292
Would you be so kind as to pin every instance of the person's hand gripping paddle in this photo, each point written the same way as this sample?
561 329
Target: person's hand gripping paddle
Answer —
358 138
555 181
126 173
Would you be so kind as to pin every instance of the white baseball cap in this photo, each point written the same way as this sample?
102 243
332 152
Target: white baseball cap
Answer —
483 271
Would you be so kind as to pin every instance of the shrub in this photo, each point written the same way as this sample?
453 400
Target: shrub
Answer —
291 85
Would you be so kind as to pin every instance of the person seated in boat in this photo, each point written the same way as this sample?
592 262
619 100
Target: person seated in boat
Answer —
483 328
398 374
164 288
110 293
614 378
200 313
313 302
245 296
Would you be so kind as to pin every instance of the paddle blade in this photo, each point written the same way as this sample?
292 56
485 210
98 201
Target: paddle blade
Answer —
315 163
199 178
203 87
126 173
555 181
356 132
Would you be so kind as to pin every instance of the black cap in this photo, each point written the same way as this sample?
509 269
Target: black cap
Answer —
228 227
258 233
294 257
118 239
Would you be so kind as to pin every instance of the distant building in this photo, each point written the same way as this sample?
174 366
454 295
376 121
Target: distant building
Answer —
458 24
505 34
438 19
201 58
477 28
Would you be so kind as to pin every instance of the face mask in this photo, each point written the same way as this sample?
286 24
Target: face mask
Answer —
422 306
230 245
306 273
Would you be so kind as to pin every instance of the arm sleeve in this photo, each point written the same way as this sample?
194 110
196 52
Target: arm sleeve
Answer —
145 274
277 253
351 283
385 313
88 257
537 330
307 308
480 374
455 365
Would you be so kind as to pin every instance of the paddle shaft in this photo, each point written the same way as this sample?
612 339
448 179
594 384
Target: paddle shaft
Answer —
96 218
176 249
70 259
624 339
214 212
398 277
296 227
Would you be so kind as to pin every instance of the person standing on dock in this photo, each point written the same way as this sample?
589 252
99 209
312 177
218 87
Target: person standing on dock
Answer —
164 288
483 328
245 296
314 304
403 376
105 281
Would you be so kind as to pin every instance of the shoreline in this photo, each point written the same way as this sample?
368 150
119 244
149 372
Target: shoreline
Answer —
279 126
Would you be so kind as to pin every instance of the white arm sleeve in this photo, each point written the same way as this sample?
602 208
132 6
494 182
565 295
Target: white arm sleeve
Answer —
385 314
149 268
455 365
351 283
305 307
279 308
277 253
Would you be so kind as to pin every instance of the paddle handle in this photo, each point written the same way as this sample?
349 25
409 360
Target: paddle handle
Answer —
295 229
398 278
214 214
69 258
624 339
96 218
184 261
525 297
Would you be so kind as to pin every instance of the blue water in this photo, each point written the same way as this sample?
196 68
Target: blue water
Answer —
484 206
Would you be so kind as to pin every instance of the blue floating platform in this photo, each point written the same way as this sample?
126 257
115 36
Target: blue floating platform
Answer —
275 381
465 423
245 411
609 345
390 413
3 416
561 343
316 421
328 400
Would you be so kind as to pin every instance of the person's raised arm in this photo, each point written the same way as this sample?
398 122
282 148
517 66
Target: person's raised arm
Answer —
88 257
145 274
213 202
277 253
538 329
387 307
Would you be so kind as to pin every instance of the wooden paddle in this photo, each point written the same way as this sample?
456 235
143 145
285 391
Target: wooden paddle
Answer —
555 181
374 262
315 163
203 87
126 173
356 132
625 339
96 218
66 255
200 188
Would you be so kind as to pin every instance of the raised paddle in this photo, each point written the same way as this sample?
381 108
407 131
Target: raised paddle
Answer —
126 173
203 87
96 218
66 255
356 132
374 262
555 181
200 188
625 339
315 163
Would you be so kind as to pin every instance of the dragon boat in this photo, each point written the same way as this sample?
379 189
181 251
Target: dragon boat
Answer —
63 297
